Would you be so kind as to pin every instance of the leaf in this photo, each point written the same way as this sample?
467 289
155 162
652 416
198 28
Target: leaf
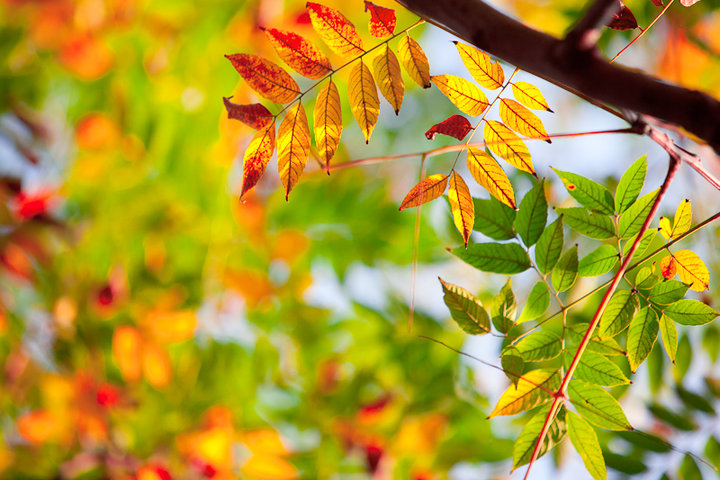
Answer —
585 441
364 101
588 192
254 115
565 272
689 469
678 421
589 224
606 346
669 336
597 406
530 96
336 31
389 77
531 390
532 214
681 223
503 141
293 146
668 267
645 441
623 19
631 221
530 434
266 78
541 345
462 93
538 302
455 126
630 184
641 336
490 175
504 309
428 189
301 55
494 219
465 309
694 401
598 262
257 156
690 312
414 60
549 246
646 279
618 313
462 206
507 258
667 292
595 368
328 124
382 20
512 364
488 74
522 120
692 270
645 241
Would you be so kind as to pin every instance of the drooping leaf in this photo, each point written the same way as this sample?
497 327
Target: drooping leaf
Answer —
455 126
641 336
598 262
293 146
494 219
630 184
382 20
530 434
490 175
462 93
462 206
667 292
488 74
506 144
504 309
549 246
566 271
255 115
668 267
540 345
588 192
669 336
681 422
631 221
532 389
507 258
530 96
645 441
428 189
328 123
595 368
538 302
364 101
465 309
623 19
624 464
336 31
532 215
692 270
690 312
593 225
266 78
414 60
257 156
597 406
301 55
694 401
522 120
618 313
585 441
389 78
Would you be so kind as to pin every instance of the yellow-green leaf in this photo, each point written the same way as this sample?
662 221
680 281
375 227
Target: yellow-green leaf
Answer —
293 146
428 189
533 388
389 78
414 60
463 209
530 96
505 143
490 175
335 29
522 120
463 93
466 309
328 122
364 101
583 437
641 336
597 406
681 223
530 434
692 270
488 74
257 156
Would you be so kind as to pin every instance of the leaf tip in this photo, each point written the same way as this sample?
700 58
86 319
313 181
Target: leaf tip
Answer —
549 110
448 249
548 140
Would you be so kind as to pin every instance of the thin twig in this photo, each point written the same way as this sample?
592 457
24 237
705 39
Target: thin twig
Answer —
642 32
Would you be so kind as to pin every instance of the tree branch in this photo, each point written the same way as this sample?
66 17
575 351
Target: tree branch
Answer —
587 31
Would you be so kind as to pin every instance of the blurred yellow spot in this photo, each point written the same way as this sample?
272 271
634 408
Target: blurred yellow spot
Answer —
172 326
265 441
214 447
269 468
420 436
156 365
65 312
127 352
289 245
97 131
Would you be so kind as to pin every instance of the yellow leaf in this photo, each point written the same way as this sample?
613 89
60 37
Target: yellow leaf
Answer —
428 189
328 122
489 75
293 146
171 326
156 365
414 60
335 29
463 209
668 267
364 101
505 143
389 77
463 93
530 96
127 349
265 77
683 219
265 442
531 390
665 227
490 175
522 120
692 270
257 156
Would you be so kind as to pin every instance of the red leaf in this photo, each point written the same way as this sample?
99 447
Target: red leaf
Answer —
657 3
623 19
254 115
456 126
382 20
298 53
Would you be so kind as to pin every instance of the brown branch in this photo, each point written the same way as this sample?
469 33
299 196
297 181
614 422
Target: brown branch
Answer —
587 31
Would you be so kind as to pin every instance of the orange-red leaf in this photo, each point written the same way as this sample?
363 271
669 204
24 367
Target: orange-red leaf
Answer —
490 175
503 141
414 60
254 115
293 146
464 94
488 74
428 189
266 78
668 267
301 55
364 101
257 156
456 126
692 270
522 120
328 122
382 20
389 77
462 206
336 31
530 96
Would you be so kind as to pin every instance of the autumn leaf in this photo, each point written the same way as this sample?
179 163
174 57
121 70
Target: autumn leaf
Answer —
490 175
522 120
488 74
691 270
301 55
266 78
389 77
414 60
505 143
530 96
428 189
462 206
257 156
328 122
382 20
463 93
681 222
364 101
531 390
127 350
336 31
255 115
293 146
455 126
623 19
668 267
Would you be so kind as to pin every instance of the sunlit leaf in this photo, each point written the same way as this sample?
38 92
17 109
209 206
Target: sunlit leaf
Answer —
462 93
645 241
530 434
513 364
490 175
455 126
597 406
565 272
692 270
630 184
668 267
667 292
595 368
335 29
507 258
522 120
532 389
266 78
488 74
465 309
414 60
327 120
641 336
293 146
462 206
530 96
605 346
389 78
257 156
505 143
589 193
504 308
646 279
540 345
428 189
598 262
618 313
494 219
255 115
532 214
537 303
669 336
631 221
549 246
382 20
593 225
690 312
301 55
585 441
364 101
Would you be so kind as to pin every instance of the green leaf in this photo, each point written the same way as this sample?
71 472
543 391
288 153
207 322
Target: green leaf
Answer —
593 225
683 358
646 441
690 312
623 464
588 192
494 219
669 336
641 336
647 238
566 271
606 346
667 292
526 441
507 258
585 441
537 303
512 364
712 450
711 342
694 401
618 313
532 214
549 246
630 184
656 370
532 389
465 309
678 421
689 469
504 309
595 368
541 345
598 262
597 406
631 221
646 279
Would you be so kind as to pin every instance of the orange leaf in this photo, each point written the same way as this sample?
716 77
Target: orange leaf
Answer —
455 126
530 96
266 78
127 351
490 175
171 326
293 146
335 30
522 120
692 270
462 206
37 427
254 115
257 156
382 20
489 75
503 141
668 267
301 55
414 60
428 189
156 365
389 77
464 94
364 101
328 124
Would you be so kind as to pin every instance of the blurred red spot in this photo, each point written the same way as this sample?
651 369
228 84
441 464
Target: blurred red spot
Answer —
373 454
105 296
31 205
303 18
107 395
